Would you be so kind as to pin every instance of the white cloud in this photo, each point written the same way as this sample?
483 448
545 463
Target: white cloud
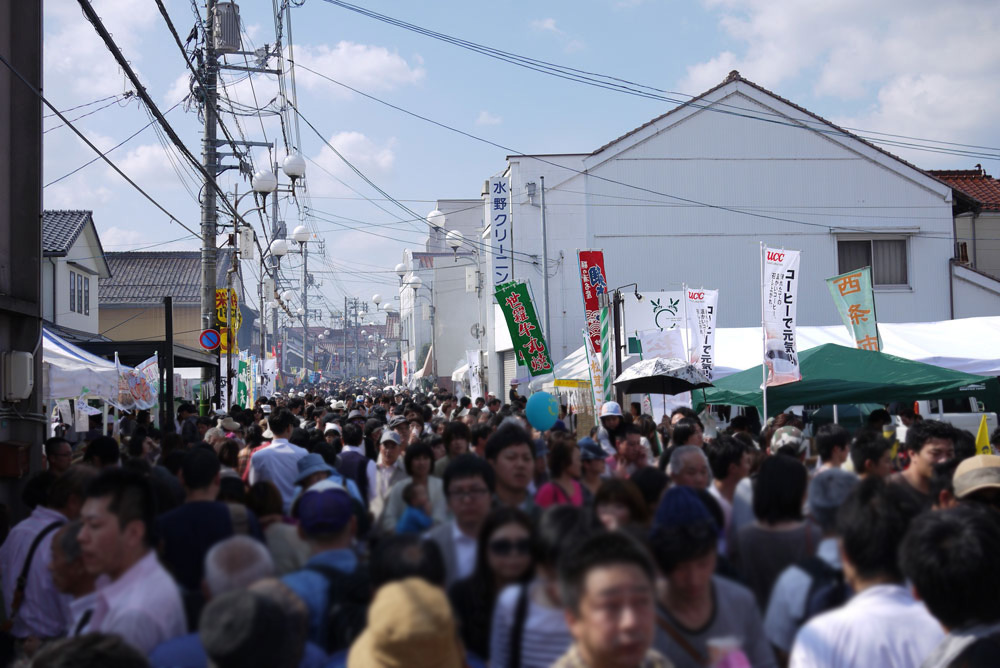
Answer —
928 68
546 25
364 66
147 163
486 118
179 90
372 159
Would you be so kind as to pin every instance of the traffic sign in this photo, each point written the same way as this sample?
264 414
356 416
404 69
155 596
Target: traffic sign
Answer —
209 339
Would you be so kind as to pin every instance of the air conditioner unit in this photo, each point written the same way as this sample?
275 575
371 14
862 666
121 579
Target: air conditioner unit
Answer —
227 27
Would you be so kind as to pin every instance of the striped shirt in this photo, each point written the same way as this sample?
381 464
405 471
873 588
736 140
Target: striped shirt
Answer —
545 637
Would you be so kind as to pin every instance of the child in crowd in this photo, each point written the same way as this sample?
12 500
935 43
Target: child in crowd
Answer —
417 516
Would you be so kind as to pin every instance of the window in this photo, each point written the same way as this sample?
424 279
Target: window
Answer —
86 296
886 257
79 293
72 291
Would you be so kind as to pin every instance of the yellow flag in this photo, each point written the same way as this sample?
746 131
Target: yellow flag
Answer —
983 439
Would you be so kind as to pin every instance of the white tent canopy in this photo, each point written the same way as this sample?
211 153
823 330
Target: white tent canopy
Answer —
69 372
458 375
966 345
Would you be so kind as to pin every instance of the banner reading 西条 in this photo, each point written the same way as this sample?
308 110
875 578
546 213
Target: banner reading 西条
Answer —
855 300
522 323
779 295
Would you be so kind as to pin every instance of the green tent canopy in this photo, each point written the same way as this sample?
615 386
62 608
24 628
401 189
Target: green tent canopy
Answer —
833 374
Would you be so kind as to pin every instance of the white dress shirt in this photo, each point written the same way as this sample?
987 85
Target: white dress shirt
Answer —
44 612
143 606
278 463
465 552
881 626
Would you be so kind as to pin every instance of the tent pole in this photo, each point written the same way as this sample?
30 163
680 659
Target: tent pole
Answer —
836 419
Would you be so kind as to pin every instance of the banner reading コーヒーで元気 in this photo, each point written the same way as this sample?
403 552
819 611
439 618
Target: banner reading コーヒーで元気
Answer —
522 323
855 300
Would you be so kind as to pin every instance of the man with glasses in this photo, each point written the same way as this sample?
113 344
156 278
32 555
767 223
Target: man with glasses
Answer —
468 486
59 454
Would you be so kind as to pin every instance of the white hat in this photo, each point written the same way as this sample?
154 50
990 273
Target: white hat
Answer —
302 394
610 408
331 426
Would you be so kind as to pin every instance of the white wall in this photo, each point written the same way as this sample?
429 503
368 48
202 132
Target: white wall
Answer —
975 293
82 259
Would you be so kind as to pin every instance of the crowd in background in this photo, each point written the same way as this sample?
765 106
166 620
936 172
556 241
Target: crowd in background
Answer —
354 526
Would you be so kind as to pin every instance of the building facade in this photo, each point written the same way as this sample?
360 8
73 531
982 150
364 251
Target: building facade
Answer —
74 263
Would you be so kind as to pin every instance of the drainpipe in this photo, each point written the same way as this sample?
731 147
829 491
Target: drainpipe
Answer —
951 287
975 216
55 311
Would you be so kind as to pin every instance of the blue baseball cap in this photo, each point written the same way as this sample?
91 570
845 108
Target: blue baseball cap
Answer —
324 508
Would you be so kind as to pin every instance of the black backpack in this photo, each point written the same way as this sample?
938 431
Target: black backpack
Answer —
827 591
348 598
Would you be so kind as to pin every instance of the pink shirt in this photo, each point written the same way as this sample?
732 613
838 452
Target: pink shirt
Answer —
44 612
143 606
551 494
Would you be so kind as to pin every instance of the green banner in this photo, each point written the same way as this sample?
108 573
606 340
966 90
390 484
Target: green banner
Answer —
243 382
855 300
522 322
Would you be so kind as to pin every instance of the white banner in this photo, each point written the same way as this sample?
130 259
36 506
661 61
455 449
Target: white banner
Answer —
656 310
666 343
596 379
779 294
475 387
498 213
702 310
269 376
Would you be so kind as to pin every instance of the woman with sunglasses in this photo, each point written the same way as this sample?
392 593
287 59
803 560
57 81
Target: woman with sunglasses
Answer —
503 557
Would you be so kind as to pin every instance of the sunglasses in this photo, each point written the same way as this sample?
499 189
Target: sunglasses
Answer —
504 546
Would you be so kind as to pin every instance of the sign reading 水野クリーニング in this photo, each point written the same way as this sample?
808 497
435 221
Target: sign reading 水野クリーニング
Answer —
779 294
595 283
498 212
522 322
855 300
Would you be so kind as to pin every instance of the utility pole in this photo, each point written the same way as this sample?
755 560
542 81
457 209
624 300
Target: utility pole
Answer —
343 360
545 267
210 160
305 309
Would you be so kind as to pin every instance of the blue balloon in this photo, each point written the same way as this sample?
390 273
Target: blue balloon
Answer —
542 411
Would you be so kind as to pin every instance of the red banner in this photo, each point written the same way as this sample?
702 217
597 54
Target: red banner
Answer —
595 282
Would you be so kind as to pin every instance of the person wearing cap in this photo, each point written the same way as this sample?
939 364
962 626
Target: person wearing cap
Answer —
977 481
694 606
328 524
929 442
612 426
388 469
331 432
882 624
789 441
313 468
787 609
592 465
278 462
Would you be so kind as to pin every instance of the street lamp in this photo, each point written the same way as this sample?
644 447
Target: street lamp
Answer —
294 167
436 219
454 239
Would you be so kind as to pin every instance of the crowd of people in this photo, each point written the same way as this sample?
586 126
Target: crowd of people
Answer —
352 526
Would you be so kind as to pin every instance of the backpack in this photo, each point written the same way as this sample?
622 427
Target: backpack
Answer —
827 591
348 597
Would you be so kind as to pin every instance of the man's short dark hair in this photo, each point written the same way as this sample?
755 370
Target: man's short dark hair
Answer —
723 452
778 490
352 434
872 523
868 447
831 436
453 430
676 545
105 449
942 478
205 421
279 422
131 498
73 482
599 551
52 444
200 467
468 466
949 557
684 430
400 556
480 431
493 402
186 408
507 436
920 432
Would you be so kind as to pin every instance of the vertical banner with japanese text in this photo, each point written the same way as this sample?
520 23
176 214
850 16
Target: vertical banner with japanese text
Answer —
223 313
595 283
498 213
779 295
525 332
596 377
852 293
475 374
702 312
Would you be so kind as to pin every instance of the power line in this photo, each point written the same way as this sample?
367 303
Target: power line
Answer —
89 143
85 104
92 112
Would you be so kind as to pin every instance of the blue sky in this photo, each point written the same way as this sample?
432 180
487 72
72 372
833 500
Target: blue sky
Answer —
912 67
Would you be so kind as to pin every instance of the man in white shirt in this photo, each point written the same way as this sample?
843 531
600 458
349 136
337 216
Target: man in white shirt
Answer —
141 603
278 462
468 486
882 625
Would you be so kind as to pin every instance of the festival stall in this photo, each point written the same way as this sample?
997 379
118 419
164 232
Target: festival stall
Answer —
833 374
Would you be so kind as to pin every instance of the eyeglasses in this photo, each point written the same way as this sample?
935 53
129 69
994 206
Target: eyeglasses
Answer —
503 547
468 494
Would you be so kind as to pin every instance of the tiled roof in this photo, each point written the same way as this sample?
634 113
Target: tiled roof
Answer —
146 277
61 228
974 183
